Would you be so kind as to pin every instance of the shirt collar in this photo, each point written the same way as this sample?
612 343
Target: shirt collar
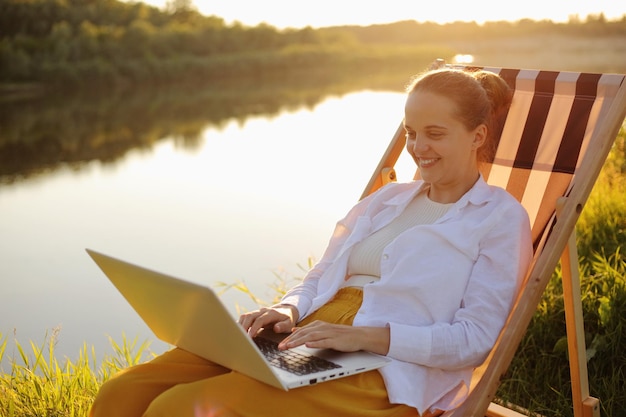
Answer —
405 196
479 194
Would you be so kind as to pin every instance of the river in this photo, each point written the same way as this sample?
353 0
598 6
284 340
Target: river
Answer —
247 199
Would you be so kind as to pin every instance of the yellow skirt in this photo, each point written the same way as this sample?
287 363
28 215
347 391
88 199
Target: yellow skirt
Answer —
181 384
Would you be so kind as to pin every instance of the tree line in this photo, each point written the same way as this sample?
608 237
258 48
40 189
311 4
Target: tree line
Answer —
411 32
109 42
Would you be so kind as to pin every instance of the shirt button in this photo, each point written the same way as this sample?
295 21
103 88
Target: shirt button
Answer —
385 257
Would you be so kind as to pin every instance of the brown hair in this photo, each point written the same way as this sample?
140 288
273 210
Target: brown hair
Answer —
482 97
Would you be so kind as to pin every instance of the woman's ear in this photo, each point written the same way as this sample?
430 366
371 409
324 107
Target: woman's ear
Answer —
480 136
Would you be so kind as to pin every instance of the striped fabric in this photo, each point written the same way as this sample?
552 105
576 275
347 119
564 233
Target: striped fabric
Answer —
547 131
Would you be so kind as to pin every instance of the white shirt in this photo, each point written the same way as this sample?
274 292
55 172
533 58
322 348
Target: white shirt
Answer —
445 288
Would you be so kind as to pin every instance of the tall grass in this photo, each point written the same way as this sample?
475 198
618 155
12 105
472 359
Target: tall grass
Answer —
283 281
38 384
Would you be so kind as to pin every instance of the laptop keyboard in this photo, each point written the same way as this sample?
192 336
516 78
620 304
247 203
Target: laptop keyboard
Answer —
292 361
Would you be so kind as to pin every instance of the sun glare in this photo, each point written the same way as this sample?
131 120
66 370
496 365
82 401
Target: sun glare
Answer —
319 13
463 59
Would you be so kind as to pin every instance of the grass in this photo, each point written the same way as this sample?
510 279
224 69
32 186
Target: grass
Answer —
283 281
39 384
538 378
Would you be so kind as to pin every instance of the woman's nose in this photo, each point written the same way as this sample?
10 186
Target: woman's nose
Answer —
419 145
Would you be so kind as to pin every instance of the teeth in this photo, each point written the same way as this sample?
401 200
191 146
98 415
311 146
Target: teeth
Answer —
427 161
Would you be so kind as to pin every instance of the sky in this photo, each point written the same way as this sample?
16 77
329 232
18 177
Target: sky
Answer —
319 13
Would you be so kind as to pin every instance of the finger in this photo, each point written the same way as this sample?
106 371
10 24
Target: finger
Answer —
288 339
321 343
299 336
263 320
255 325
285 326
319 335
246 320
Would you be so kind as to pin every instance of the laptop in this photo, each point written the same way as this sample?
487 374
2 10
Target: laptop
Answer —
193 318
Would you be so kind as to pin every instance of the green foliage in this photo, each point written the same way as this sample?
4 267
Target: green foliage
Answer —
602 225
107 42
110 42
412 32
38 384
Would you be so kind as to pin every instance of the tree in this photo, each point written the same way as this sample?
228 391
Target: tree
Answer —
179 6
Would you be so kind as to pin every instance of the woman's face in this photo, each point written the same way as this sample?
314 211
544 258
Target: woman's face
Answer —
441 146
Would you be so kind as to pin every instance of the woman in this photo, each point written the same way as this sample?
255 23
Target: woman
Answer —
423 272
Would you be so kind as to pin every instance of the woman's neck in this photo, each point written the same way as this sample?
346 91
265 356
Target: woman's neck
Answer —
450 193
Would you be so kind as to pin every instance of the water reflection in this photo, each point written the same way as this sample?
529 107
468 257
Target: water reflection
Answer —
207 195
72 128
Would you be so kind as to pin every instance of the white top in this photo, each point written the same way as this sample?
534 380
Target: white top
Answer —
445 289
365 256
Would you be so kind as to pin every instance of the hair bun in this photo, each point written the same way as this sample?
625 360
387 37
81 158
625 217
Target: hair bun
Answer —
497 89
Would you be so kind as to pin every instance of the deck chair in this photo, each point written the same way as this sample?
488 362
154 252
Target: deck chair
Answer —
557 135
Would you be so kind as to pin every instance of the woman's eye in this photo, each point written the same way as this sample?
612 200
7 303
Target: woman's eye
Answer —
409 135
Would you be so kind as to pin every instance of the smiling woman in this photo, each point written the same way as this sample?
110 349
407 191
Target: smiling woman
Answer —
320 13
391 281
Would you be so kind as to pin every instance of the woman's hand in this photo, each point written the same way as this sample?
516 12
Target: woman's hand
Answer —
320 334
282 318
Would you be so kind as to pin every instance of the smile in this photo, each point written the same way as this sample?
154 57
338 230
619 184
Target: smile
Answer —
425 163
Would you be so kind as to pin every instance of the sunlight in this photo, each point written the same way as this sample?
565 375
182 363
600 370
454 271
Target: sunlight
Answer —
463 59
285 13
